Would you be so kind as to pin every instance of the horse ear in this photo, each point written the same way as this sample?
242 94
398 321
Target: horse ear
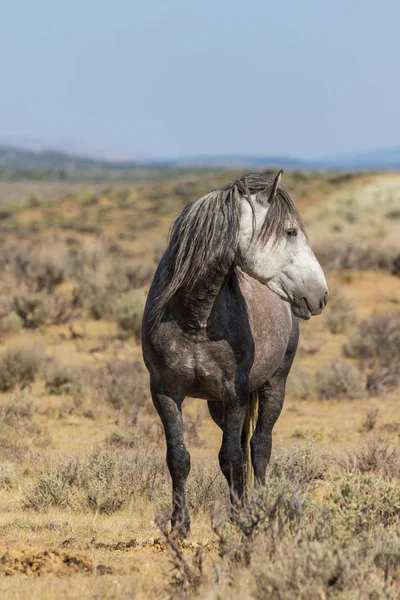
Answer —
275 186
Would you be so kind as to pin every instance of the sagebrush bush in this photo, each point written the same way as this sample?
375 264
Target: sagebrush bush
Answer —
207 489
17 410
361 502
376 345
355 256
11 323
19 366
376 338
339 315
299 465
39 267
120 438
64 381
7 474
103 481
376 456
33 308
298 383
122 385
283 544
100 305
339 380
128 313
328 568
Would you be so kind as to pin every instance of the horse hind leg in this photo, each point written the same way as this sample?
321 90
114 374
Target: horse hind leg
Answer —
178 458
217 414
216 409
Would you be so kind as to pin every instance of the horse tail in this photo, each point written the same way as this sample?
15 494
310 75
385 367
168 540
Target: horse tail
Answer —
249 427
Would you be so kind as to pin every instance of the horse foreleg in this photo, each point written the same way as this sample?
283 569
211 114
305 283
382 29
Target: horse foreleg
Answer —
231 453
270 401
178 458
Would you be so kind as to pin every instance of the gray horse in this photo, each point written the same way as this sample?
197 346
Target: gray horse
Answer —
221 323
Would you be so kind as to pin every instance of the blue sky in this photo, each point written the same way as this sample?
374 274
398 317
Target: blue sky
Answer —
183 77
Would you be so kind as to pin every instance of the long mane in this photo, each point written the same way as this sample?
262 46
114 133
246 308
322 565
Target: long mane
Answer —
207 230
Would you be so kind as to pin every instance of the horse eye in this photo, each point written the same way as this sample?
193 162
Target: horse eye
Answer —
291 232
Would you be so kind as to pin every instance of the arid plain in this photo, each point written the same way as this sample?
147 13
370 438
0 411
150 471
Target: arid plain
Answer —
84 492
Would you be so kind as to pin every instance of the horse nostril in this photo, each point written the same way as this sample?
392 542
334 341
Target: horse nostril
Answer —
325 299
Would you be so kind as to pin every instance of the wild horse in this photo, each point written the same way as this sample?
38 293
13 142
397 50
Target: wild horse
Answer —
221 323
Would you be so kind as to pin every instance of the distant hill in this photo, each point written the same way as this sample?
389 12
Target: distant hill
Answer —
383 159
48 158
243 161
18 162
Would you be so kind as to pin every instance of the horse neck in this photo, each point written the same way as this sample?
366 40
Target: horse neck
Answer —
194 311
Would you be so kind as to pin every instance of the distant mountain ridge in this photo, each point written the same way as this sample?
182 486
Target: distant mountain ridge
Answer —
13 157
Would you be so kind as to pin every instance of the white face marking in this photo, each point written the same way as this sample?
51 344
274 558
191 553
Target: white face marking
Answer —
287 267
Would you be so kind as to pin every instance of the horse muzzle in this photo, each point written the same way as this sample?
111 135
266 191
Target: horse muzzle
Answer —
309 306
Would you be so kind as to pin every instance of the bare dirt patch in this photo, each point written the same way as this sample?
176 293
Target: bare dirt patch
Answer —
17 562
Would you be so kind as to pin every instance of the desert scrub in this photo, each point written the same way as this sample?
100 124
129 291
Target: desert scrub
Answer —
354 256
18 410
298 383
328 568
64 381
376 338
299 465
19 366
129 312
376 345
207 489
7 475
340 380
121 438
339 314
32 308
123 385
39 268
377 456
11 324
100 305
103 481
361 502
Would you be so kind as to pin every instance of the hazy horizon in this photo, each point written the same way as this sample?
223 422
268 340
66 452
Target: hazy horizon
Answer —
171 79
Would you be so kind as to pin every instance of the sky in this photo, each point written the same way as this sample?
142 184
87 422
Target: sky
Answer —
165 78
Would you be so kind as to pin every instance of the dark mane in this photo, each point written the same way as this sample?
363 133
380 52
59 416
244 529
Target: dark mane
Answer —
208 229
